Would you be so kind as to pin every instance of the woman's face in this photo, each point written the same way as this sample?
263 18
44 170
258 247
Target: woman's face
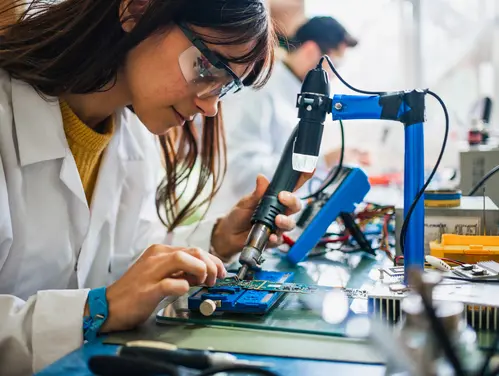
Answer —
158 75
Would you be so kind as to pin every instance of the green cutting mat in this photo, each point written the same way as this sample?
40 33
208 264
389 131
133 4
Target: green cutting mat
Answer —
296 313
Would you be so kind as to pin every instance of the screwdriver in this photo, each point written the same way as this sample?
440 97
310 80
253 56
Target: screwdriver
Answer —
194 359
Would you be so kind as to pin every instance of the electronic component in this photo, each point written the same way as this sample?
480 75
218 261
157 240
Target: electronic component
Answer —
490 265
469 218
394 271
268 286
437 263
484 270
297 288
228 296
350 188
481 312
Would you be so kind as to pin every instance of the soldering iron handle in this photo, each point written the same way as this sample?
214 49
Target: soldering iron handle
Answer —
285 179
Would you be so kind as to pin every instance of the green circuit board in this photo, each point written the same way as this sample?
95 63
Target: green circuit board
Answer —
268 286
297 288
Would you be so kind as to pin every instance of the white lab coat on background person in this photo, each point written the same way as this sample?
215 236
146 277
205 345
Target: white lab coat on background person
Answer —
53 248
257 125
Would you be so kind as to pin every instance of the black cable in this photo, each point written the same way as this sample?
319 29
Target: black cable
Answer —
405 226
331 65
334 172
483 180
490 354
319 66
252 370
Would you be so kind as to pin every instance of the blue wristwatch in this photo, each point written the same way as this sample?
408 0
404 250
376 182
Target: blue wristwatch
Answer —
97 306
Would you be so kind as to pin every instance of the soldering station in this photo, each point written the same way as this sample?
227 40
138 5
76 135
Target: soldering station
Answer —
431 293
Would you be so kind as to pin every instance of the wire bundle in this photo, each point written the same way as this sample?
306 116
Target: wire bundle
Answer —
372 213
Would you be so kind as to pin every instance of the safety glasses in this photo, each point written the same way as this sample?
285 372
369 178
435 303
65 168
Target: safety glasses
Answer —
205 72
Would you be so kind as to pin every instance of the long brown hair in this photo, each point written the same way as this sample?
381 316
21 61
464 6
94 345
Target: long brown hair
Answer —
78 46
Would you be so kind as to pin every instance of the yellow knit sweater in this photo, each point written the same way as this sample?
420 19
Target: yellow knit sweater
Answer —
87 146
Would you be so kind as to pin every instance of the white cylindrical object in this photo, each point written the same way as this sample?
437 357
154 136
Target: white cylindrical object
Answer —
207 307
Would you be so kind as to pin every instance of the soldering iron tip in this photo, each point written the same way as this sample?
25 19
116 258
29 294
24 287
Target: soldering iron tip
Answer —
242 272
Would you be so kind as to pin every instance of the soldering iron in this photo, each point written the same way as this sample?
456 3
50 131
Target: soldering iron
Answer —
300 155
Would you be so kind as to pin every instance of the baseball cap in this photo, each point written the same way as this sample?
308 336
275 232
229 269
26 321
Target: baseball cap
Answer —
327 32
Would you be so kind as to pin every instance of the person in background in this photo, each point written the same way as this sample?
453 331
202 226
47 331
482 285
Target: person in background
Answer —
86 86
259 122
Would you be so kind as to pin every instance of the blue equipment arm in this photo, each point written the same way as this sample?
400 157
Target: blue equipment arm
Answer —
407 107
404 106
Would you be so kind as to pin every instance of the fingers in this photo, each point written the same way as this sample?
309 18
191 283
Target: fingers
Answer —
168 264
275 240
177 262
285 223
175 287
214 266
292 202
306 176
251 200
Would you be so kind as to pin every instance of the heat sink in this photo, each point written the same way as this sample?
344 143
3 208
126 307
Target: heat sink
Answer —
481 302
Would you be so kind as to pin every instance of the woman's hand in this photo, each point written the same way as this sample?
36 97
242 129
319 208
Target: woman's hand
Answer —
161 271
231 232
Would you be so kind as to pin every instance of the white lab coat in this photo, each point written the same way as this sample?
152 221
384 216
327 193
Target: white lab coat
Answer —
257 125
52 247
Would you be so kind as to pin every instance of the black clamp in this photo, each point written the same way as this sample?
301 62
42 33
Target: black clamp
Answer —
308 103
413 100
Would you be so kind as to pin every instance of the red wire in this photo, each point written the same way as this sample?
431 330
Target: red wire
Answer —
452 261
340 239
287 240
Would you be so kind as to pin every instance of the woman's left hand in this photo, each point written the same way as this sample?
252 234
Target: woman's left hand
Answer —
230 235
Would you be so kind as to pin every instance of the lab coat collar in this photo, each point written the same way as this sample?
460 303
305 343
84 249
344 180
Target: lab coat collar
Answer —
128 146
39 118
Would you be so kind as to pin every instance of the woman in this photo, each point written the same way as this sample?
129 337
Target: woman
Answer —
78 167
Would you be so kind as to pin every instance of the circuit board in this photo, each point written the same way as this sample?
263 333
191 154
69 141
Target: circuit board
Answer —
297 288
260 285
229 296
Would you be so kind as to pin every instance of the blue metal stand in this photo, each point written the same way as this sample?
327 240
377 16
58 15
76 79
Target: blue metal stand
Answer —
407 108
413 182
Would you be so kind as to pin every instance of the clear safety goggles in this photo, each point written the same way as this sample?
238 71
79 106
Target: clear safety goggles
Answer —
205 72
